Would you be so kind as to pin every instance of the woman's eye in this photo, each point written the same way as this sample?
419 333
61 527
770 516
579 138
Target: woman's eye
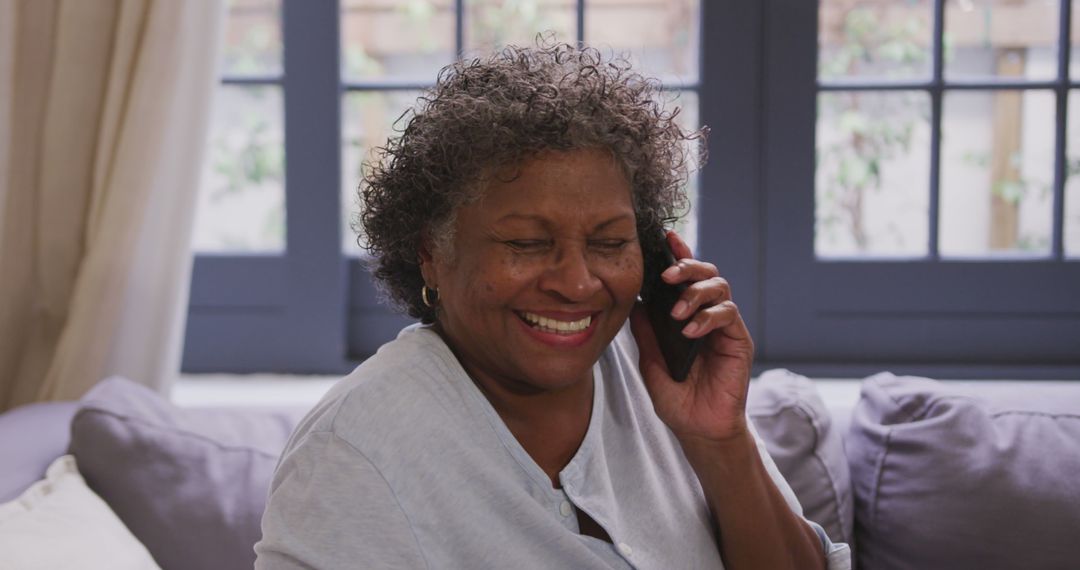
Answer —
527 244
609 244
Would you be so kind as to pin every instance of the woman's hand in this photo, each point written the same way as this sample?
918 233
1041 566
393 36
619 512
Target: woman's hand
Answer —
709 407
707 413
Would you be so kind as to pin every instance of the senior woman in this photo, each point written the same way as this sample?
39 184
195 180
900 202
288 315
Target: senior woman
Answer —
523 424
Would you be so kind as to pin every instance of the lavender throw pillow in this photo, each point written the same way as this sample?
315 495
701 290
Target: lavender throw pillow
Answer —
798 432
965 476
190 484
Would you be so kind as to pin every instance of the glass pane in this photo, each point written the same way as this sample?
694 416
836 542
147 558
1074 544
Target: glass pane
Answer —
688 119
253 38
368 122
1072 183
1074 41
997 165
874 39
490 24
660 35
400 40
873 169
1001 38
242 198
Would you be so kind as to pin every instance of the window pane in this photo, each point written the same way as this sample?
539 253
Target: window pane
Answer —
1074 41
997 173
490 24
242 198
661 35
1072 184
873 171
688 119
1001 38
874 38
369 118
400 40
253 38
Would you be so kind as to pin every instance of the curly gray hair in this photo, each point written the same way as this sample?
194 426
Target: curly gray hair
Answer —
487 114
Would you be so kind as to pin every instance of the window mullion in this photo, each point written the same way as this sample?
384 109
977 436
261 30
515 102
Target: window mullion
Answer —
937 93
581 21
315 290
730 195
1057 236
459 28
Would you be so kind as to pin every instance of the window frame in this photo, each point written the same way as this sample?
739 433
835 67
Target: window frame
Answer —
285 312
310 309
957 318
314 310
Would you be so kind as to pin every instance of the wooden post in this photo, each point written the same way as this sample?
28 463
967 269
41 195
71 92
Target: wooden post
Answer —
1007 122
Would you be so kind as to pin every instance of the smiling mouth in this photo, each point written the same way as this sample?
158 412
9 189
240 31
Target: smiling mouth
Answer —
553 326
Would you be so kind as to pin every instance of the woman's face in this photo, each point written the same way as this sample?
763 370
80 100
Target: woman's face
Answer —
545 271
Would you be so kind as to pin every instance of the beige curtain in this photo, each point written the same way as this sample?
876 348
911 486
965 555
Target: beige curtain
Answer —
103 117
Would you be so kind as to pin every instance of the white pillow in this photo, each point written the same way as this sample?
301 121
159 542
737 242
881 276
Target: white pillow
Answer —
60 523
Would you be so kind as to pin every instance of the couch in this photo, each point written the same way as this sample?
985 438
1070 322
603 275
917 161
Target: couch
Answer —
920 474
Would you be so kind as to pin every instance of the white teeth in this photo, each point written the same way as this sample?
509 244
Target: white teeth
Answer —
554 326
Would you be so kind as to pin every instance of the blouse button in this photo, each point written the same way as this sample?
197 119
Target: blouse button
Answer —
625 550
565 509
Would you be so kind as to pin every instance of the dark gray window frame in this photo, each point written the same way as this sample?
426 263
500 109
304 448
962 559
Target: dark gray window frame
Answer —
978 318
314 311
285 313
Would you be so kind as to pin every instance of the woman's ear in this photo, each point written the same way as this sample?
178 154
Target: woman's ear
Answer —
424 252
426 261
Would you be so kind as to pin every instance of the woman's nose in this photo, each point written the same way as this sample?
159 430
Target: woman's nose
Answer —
571 277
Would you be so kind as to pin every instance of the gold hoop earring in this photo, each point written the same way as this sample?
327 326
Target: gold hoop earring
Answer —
424 296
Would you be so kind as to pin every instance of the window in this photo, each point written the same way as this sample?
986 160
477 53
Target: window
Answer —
889 184
917 206
308 89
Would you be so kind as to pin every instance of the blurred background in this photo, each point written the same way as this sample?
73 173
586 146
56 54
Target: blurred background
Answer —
877 169
890 184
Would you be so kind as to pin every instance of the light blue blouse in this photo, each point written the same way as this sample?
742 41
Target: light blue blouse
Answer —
405 464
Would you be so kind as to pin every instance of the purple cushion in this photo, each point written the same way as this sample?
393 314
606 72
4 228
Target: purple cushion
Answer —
798 432
31 438
949 476
190 484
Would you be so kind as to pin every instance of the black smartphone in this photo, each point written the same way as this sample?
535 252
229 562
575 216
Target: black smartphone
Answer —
659 298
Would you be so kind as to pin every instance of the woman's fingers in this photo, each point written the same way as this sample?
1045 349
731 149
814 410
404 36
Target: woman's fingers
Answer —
711 291
724 316
689 270
678 246
708 297
686 268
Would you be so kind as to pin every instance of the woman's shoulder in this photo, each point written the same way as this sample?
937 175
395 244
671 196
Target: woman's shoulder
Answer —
412 381
406 363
